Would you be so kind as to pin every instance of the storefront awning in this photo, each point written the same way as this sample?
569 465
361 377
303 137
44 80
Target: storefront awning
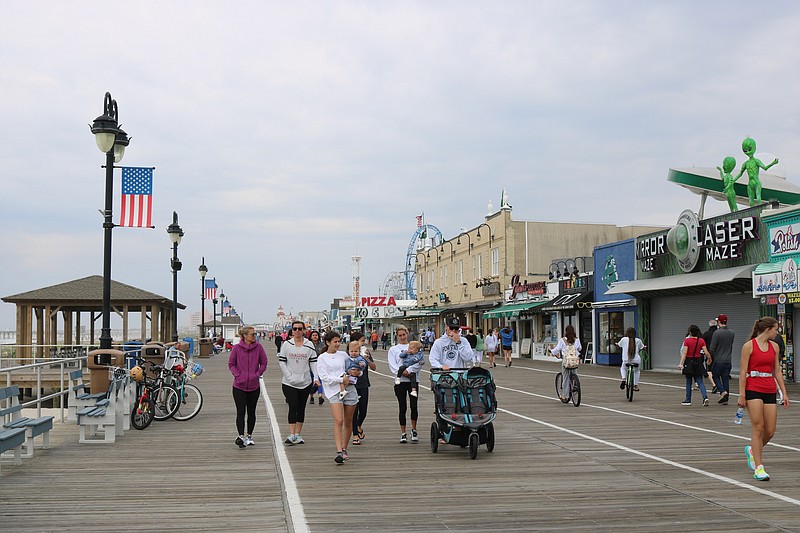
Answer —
421 313
511 310
768 268
735 278
567 302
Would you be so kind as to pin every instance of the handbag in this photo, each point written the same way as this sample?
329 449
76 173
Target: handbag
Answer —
693 366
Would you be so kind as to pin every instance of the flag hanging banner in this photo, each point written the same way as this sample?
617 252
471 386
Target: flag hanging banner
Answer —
211 288
226 308
137 197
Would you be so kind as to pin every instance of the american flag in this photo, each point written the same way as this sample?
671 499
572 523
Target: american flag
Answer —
211 288
419 221
226 309
137 197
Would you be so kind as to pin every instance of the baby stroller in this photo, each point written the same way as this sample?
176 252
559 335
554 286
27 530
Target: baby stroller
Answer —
465 406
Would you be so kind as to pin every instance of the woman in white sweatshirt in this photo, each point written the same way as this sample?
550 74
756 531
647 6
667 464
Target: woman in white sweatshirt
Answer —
331 372
297 359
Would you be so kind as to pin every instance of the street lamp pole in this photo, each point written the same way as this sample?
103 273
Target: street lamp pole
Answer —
215 315
175 233
111 140
203 271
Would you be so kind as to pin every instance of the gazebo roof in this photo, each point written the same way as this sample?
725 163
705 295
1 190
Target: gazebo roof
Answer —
88 293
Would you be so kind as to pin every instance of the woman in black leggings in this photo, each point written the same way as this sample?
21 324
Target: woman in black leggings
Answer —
298 361
247 363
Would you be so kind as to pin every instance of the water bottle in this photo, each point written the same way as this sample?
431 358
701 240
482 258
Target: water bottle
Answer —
739 416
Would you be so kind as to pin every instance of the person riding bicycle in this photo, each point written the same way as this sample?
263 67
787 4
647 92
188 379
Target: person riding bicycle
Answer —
631 346
566 345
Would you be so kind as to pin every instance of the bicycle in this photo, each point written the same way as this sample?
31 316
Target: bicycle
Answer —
164 396
629 379
190 399
574 385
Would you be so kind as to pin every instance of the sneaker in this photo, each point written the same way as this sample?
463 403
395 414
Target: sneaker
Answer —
403 439
344 455
397 381
724 398
621 385
413 393
298 440
414 436
289 440
342 394
705 402
760 474
715 390
240 441
339 459
248 440
509 363
686 403
321 400
751 463
311 401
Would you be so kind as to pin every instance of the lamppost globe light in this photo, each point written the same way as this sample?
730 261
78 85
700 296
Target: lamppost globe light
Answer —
105 127
203 269
121 141
174 230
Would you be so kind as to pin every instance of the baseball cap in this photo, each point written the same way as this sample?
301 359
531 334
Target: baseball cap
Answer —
453 322
722 319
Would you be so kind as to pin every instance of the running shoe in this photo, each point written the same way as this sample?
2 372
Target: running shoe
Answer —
339 459
414 436
248 440
760 474
621 385
686 403
240 442
403 438
298 439
289 440
705 402
751 463
321 400
311 400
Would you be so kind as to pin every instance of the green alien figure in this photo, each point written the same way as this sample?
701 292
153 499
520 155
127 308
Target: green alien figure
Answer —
728 164
751 166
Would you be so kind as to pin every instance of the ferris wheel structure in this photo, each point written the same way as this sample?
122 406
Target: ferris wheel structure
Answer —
426 237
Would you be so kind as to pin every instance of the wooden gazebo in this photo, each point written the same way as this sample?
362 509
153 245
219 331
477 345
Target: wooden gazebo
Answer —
85 295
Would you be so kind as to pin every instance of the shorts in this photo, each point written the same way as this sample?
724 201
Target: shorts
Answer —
351 398
766 397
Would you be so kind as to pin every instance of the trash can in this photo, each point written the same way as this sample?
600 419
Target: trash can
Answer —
205 347
190 341
155 354
132 350
98 362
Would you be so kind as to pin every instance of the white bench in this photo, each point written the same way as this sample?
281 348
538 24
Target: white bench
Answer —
12 418
107 415
79 395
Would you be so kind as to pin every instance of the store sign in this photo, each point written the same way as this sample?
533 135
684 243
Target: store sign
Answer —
576 284
378 301
372 313
537 287
492 289
769 283
647 250
793 298
725 239
784 240
789 276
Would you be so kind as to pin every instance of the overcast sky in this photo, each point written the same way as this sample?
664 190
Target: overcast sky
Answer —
290 136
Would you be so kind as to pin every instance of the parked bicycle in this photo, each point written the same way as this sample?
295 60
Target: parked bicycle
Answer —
181 370
164 397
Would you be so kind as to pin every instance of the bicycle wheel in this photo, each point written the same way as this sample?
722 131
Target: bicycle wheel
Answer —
575 383
190 403
142 414
629 385
558 389
166 402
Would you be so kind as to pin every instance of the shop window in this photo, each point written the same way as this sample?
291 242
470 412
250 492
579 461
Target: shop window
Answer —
546 333
612 329
495 261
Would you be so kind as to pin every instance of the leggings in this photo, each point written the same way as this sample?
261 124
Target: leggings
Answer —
245 401
401 390
361 409
297 399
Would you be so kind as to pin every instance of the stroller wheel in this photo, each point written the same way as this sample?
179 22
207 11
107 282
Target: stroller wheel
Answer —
434 437
490 437
473 445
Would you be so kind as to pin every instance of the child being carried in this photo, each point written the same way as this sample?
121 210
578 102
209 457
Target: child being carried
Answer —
354 361
410 357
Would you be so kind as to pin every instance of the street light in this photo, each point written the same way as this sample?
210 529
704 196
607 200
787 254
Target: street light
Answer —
175 233
491 236
215 315
203 271
469 241
452 251
111 139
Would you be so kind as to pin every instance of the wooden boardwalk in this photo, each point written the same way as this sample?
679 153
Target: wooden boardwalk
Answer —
609 465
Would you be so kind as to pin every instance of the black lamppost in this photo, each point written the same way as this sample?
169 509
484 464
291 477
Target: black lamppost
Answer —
203 271
175 233
111 140
215 315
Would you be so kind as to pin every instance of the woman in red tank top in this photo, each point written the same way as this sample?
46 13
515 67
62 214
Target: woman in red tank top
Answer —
759 371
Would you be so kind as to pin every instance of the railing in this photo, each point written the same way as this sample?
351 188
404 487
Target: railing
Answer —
64 366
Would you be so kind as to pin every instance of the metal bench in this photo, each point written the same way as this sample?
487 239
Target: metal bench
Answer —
12 419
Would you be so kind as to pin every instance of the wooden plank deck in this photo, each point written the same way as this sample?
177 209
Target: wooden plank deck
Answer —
555 467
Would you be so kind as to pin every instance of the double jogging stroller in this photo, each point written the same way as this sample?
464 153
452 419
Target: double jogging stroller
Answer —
465 406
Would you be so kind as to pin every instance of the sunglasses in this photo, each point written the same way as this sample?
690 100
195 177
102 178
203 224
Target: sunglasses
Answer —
298 329
454 328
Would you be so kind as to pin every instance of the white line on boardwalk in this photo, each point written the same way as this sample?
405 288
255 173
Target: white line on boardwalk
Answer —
659 459
297 516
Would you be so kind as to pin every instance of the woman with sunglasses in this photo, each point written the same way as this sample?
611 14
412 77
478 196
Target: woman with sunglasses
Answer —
298 360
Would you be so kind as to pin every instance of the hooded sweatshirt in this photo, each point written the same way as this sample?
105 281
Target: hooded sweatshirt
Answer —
297 363
247 363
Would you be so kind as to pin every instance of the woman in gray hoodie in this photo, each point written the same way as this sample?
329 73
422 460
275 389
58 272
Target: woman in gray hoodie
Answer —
247 363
